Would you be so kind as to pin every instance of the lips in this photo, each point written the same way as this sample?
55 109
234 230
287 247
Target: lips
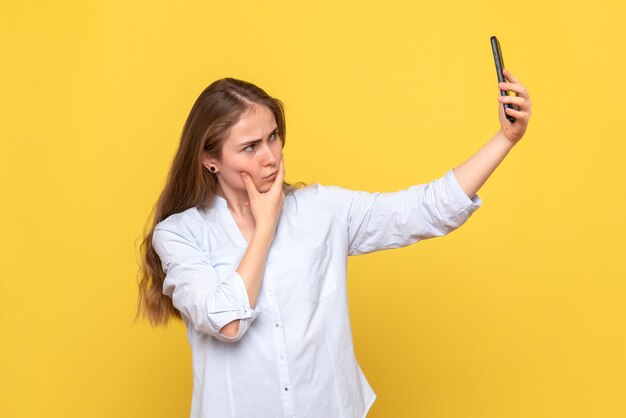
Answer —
271 175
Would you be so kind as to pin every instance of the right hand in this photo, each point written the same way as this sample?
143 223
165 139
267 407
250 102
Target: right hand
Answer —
514 131
266 207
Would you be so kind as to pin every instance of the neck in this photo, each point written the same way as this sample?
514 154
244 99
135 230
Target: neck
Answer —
236 202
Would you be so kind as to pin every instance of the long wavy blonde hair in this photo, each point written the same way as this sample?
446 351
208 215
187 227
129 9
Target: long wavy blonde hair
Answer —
190 184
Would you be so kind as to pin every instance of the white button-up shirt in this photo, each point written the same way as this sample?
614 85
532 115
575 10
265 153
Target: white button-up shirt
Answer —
293 356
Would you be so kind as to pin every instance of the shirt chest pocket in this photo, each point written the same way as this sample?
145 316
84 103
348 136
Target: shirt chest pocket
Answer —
307 269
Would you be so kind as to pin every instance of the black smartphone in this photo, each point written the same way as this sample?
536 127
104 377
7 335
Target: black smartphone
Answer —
497 56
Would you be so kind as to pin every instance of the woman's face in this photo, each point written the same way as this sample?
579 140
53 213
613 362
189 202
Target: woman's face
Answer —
253 146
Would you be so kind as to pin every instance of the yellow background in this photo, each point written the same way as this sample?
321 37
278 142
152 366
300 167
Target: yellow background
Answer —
519 313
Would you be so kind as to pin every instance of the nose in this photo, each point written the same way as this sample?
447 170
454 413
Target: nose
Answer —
268 158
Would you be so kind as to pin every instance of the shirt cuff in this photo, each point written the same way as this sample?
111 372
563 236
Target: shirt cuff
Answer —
467 203
244 313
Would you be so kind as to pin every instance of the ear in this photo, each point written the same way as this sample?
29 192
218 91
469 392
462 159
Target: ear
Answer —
208 162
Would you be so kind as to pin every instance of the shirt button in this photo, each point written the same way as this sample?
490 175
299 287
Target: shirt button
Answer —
276 324
286 388
282 357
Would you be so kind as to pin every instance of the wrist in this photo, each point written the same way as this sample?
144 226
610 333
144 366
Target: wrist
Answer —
501 138
264 232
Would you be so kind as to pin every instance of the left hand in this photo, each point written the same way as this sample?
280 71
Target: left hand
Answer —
514 131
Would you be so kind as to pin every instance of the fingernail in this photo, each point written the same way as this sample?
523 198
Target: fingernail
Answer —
243 174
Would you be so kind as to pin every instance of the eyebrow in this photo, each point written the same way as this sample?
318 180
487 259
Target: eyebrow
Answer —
252 141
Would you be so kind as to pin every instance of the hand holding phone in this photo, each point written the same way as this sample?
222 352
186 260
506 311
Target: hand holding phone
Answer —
497 56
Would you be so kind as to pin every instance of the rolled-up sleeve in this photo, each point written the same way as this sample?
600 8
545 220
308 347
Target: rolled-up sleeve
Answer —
379 221
206 300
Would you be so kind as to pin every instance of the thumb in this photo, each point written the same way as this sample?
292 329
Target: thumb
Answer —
249 184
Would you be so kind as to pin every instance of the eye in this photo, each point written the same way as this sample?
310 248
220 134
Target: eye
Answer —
249 148
274 135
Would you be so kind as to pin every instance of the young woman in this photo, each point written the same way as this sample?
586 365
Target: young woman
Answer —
256 268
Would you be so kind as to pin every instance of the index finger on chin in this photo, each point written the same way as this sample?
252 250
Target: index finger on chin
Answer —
280 177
